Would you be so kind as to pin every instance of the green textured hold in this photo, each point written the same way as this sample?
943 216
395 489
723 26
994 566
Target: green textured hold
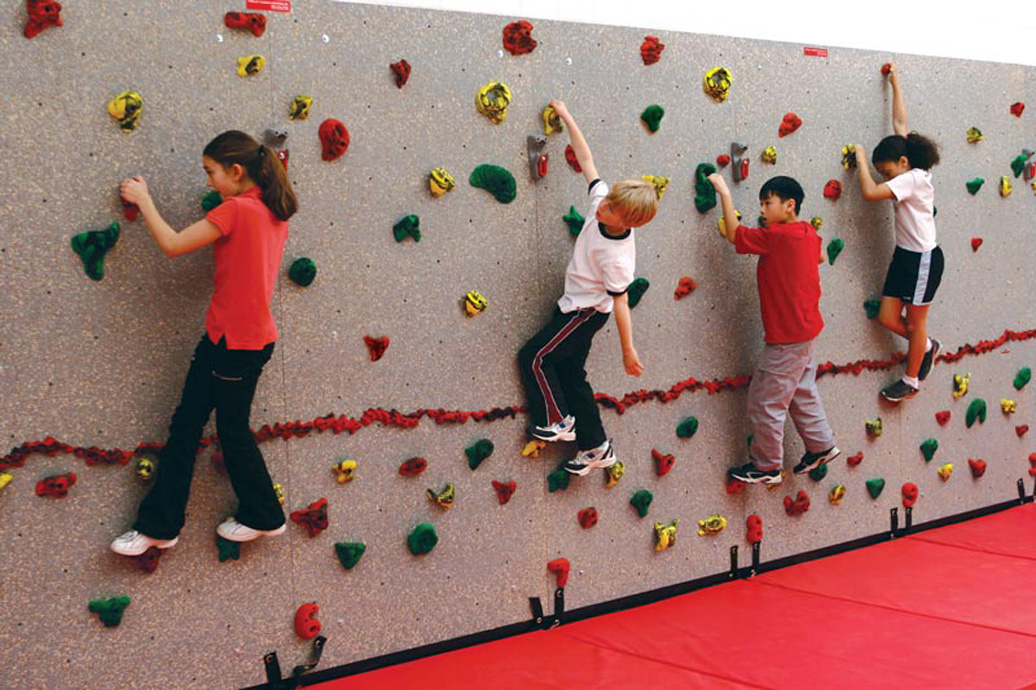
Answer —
407 226
228 549
642 501
1018 164
974 185
872 306
818 473
1022 378
652 117
422 540
478 452
110 610
558 480
875 486
704 192
350 552
302 271
748 439
760 221
834 248
636 290
687 428
91 246
575 221
976 410
211 201
495 180
928 448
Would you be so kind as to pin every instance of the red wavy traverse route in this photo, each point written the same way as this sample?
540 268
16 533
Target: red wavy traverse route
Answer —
298 429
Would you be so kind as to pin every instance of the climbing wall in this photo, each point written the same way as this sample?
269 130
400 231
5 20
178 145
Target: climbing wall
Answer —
92 369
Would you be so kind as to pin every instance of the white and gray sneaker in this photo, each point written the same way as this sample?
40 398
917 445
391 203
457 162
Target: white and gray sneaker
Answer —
586 460
133 543
232 530
565 430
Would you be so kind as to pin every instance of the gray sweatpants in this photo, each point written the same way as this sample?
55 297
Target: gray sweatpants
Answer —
786 381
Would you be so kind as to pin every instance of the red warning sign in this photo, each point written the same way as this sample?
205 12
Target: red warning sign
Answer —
814 52
269 5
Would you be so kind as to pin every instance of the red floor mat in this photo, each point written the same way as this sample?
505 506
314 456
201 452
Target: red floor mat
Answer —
1011 533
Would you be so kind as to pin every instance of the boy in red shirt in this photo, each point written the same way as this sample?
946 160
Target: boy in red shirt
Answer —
789 299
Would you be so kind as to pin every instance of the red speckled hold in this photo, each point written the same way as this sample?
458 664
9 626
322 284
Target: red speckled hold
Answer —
886 68
1016 108
334 139
735 486
744 168
588 517
306 624
42 14
651 50
942 417
1021 430
401 70
754 532
570 158
251 21
722 160
854 460
504 490
976 242
798 506
789 124
560 567
663 463
312 518
910 493
56 486
377 346
978 467
518 38
833 190
1032 464
686 286
413 467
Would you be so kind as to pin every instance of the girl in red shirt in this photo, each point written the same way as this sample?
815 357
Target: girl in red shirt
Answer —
247 231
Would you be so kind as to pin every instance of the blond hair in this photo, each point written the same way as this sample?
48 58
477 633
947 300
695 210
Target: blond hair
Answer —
635 201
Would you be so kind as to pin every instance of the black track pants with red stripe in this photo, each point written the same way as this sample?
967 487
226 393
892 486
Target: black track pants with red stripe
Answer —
554 375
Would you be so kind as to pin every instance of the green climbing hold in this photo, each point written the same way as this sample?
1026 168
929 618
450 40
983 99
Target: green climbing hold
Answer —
749 439
110 610
558 480
872 306
350 552
423 539
928 448
575 221
1018 164
687 428
407 226
875 486
976 410
652 117
211 201
818 473
228 549
495 180
704 192
636 290
641 500
302 271
1022 378
834 248
974 185
91 246
478 452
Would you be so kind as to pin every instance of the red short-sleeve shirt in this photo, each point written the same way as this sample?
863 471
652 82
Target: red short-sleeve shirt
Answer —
788 277
248 258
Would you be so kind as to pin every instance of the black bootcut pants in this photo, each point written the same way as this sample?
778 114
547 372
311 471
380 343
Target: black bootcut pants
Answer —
554 375
224 380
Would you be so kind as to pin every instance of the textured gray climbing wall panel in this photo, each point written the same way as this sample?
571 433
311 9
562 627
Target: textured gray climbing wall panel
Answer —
101 363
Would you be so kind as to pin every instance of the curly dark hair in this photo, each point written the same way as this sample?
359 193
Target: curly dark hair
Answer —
921 151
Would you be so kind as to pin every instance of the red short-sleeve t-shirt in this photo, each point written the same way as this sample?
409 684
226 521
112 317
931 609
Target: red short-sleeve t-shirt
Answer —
788 277
248 258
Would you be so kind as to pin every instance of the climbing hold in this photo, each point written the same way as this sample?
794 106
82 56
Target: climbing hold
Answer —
651 50
818 473
974 185
1017 108
960 385
976 242
504 490
687 428
407 226
1005 185
1008 406
652 117
663 463
558 480
401 71
717 83
376 346
422 540
474 303
834 248
976 410
275 136
306 624
43 14
109 610
299 108
886 69
974 135
250 21
789 124
641 501
478 452
798 505
928 448
1023 377
740 169
145 469
349 553
334 139
704 192
211 200
874 427
613 473
570 158
518 38
1018 164
302 271
833 190
227 550
977 467
444 497
942 417
909 493
5 479
313 518
345 471
722 223
278 490
574 219
854 460
126 109
776 485
1020 430
560 568
148 561
658 182
754 531
440 181
769 154
55 486
848 156
130 211
945 471
492 101
538 159
636 290
872 307
495 180
532 448
1032 464
875 486
817 222
722 160
686 286
250 65
665 535
735 486
712 525
587 517
413 467
836 494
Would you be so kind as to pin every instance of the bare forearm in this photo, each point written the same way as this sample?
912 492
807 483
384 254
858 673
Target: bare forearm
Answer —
730 220
579 145
868 187
624 322
164 235
899 113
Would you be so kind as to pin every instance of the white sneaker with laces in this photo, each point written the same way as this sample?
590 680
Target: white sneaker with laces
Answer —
586 460
133 543
232 530
565 430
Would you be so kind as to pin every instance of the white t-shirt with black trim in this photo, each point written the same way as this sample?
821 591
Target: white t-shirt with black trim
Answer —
602 265
915 210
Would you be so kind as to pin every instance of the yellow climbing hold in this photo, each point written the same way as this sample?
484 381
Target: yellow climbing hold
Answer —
443 498
551 122
817 222
848 156
717 83
532 448
474 303
713 524
492 101
126 109
1008 406
345 471
659 182
250 65
145 469
1005 185
440 181
5 479
945 471
974 135
770 154
960 385
299 109
665 535
837 494
722 224
777 485
279 491
613 473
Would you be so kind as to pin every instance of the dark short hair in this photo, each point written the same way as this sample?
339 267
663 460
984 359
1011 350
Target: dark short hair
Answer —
783 188
920 151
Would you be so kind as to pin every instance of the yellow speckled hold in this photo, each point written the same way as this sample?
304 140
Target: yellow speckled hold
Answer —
299 109
723 224
777 485
974 135
1005 185
492 101
713 524
1008 406
717 83
345 471
551 122
848 156
440 181
532 448
444 499
665 535
874 427
837 494
474 303
960 385
613 474
145 469
660 183
817 222
126 108
945 471
5 479
250 65
279 490
770 154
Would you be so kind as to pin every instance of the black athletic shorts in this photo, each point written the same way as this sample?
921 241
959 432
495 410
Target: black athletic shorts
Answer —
914 276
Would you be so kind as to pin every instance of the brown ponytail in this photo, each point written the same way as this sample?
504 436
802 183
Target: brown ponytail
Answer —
261 164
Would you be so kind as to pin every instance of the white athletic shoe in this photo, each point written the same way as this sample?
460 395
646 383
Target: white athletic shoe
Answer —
587 460
232 530
565 430
133 543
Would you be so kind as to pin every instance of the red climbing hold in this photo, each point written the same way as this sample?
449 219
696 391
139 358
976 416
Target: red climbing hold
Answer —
306 624
560 568
413 466
942 417
1032 464
282 156
504 490
722 160
833 190
377 346
789 124
402 71
1021 430
651 50
541 165
886 68
42 14
130 211
334 138
570 158
518 38
56 486
686 286
663 463
744 168
252 21
1016 108
588 517
148 561
755 529
735 486
976 242
798 506
855 460
312 518
978 467
910 493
